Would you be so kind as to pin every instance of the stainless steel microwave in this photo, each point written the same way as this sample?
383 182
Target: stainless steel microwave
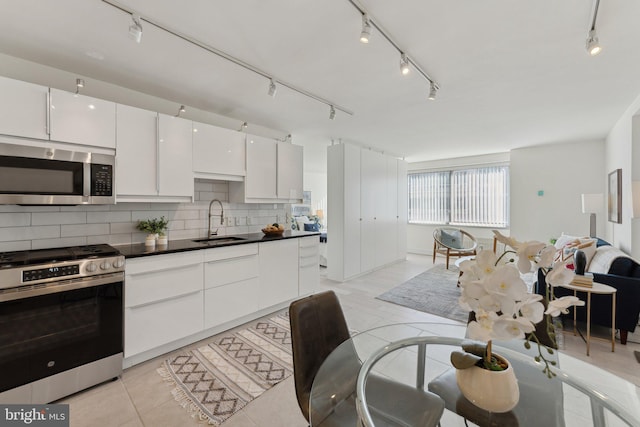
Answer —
49 176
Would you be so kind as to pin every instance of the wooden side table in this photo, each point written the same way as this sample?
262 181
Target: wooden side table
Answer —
598 288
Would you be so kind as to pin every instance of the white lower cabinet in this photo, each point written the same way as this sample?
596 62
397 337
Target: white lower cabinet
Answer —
231 283
308 265
163 300
278 272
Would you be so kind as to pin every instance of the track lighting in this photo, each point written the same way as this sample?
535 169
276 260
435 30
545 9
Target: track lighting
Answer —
79 85
404 64
181 110
332 113
243 127
366 29
593 45
433 91
272 88
135 29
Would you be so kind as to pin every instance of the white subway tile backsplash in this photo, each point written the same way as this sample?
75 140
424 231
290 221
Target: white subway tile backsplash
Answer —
22 245
108 216
16 219
52 218
56 243
29 233
24 227
83 230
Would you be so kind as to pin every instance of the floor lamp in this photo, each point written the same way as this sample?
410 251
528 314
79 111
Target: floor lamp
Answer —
592 203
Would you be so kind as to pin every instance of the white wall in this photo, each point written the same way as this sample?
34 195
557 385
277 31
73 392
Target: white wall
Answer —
563 172
623 152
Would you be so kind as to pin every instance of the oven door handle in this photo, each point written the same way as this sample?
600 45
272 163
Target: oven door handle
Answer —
57 287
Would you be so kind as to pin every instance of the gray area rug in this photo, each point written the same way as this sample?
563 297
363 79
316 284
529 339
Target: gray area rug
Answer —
433 291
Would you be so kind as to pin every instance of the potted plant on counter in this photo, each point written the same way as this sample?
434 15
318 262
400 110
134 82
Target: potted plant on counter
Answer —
157 228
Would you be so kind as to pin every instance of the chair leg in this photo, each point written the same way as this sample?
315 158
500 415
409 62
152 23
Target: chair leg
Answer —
623 336
434 252
447 259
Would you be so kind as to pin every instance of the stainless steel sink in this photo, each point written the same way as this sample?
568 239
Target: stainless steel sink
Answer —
219 240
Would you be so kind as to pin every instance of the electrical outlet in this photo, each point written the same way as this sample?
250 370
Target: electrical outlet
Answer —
238 222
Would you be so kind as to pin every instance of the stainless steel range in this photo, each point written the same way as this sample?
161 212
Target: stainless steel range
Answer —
61 327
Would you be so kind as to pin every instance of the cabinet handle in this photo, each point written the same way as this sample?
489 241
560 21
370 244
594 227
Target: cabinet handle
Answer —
157 154
48 117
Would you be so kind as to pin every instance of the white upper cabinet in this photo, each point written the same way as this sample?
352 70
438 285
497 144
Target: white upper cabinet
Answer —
136 152
175 155
80 119
289 180
260 181
23 109
218 151
153 157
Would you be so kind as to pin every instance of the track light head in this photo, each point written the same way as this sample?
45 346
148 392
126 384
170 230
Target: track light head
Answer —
180 111
433 91
593 45
366 29
243 127
272 88
332 113
404 64
135 29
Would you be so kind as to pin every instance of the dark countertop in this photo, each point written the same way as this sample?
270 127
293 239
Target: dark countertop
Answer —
140 250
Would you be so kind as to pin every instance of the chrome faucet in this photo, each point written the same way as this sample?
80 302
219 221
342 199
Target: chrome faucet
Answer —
215 233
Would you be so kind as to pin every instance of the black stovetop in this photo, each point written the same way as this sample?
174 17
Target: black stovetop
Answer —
46 256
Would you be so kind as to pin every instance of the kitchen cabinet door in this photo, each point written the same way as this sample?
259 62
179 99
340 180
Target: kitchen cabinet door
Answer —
289 171
136 152
278 272
217 150
23 109
261 178
386 224
80 119
175 154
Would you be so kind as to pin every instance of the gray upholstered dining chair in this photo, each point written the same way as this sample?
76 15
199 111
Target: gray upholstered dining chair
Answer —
318 327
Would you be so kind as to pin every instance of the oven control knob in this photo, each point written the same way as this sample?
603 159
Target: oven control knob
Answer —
119 263
91 267
105 265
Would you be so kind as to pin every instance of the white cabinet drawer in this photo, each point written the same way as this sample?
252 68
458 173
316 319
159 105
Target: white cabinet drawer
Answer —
309 251
162 262
310 261
228 302
310 241
153 325
218 273
309 278
230 252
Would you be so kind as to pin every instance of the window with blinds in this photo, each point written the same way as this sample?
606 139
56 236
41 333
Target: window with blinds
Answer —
473 197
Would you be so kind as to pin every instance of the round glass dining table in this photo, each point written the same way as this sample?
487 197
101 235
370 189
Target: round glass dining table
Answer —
417 354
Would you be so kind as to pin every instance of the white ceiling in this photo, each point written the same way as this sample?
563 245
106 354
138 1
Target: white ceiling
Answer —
512 73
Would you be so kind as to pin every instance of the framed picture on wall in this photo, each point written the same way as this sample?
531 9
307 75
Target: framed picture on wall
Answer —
614 201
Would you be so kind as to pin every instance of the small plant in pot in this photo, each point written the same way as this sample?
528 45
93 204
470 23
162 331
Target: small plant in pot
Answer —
156 227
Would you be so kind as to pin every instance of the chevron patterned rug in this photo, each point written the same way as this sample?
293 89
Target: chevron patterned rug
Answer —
218 379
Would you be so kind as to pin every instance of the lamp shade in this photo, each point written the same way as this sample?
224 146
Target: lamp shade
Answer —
592 203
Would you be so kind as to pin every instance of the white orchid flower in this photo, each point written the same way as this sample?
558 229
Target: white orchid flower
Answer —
478 268
482 327
560 274
527 254
505 282
509 328
547 256
509 241
471 293
531 308
561 305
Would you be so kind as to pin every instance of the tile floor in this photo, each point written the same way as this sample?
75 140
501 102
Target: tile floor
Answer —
141 398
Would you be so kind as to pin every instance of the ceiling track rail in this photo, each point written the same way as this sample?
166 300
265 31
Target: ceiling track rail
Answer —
228 57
